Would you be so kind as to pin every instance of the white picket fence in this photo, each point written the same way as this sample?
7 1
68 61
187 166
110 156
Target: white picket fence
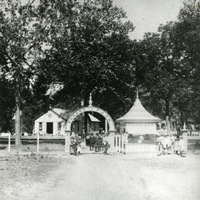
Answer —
143 148
120 142
122 146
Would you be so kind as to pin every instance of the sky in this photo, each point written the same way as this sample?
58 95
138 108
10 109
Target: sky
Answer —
147 15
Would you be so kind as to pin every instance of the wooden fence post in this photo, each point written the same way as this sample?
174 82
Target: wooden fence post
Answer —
38 142
9 142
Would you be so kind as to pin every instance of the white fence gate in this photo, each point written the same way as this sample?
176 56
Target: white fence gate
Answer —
122 146
120 142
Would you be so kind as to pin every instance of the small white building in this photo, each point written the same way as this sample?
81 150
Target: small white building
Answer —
138 121
140 127
51 122
54 121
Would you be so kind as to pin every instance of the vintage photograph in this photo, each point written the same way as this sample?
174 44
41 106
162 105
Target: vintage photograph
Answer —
99 99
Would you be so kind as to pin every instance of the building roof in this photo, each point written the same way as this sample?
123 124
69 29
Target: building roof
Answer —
61 114
54 114
59 110
138 114
92 118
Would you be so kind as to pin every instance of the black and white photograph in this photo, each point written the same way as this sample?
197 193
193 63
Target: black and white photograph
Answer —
99 99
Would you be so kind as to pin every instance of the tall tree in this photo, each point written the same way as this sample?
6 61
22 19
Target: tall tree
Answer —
91 52
22 37
187 42
160 69
7 105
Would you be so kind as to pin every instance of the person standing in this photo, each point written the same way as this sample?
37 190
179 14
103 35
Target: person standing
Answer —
96 140
176 141
100 142
73 145
78 143
168 144
164 143
79 149
159 145
106 145
181 146
92 142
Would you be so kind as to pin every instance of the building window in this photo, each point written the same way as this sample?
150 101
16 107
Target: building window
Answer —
40 126
59 126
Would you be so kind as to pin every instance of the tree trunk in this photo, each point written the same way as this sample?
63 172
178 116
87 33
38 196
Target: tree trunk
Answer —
17 118
167 108
182 119
17 128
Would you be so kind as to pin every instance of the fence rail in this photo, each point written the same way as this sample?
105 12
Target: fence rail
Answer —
193 134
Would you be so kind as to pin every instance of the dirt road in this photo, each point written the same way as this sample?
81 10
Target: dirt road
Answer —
120 177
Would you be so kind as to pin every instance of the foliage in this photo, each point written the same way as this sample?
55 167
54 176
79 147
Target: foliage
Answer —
84 46
188 44
22 38
7 104
91 54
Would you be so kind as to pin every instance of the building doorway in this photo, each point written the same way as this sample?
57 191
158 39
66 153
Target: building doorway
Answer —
49 127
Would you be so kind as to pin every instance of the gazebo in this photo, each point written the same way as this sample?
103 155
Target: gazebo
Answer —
138 121
140 125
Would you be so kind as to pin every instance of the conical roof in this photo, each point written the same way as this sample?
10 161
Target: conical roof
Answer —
138 114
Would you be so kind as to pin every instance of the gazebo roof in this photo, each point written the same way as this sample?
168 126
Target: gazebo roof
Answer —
138 114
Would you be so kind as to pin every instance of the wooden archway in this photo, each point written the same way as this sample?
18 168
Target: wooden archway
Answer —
88 109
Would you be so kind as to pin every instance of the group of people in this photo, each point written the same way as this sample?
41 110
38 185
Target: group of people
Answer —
99 142
171 145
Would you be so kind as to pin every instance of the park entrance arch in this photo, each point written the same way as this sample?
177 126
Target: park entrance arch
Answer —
89 108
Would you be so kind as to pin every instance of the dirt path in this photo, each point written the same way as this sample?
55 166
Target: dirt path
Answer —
121 177
94 177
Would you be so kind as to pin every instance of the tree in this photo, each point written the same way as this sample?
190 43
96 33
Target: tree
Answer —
167 66
91 52
22 38
160 71
7 105
188 44
84 46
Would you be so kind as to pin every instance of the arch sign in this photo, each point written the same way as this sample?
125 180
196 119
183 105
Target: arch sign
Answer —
90 109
